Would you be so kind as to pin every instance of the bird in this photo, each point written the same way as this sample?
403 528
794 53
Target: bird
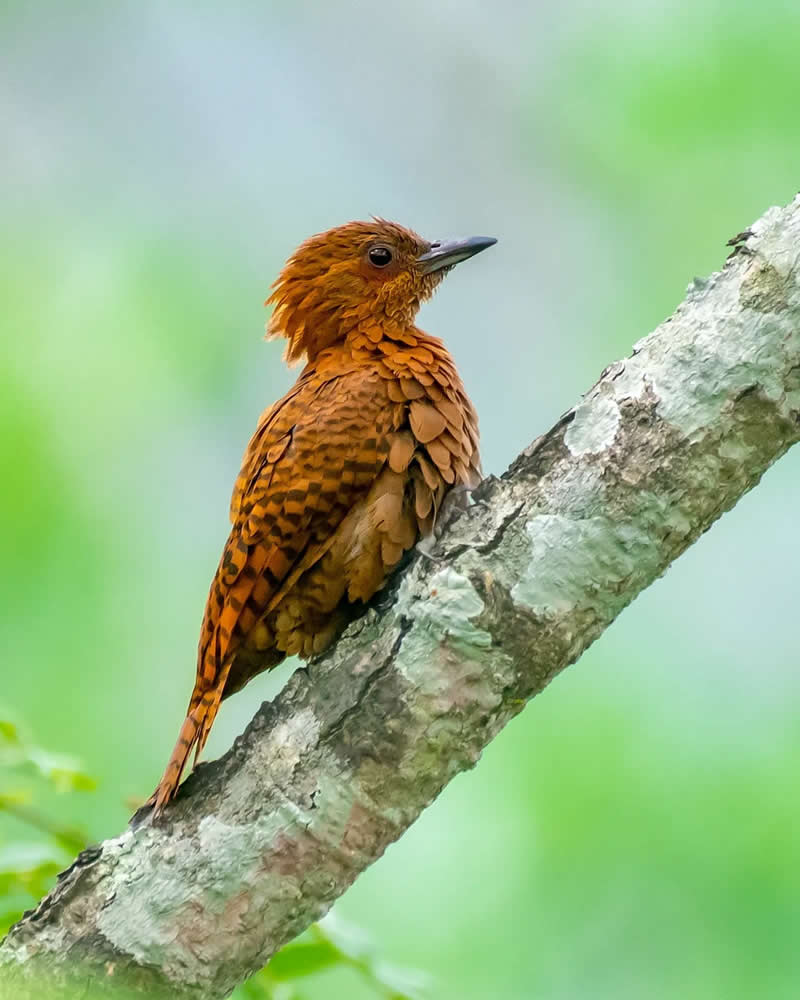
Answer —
345 473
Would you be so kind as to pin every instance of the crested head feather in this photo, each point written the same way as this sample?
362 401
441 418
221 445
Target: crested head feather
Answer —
329 286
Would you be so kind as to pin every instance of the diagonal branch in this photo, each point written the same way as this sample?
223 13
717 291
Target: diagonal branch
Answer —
332 771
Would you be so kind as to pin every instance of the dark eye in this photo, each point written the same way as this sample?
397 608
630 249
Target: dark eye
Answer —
380 256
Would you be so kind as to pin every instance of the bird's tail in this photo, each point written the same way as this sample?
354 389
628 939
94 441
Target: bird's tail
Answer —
193 735
235 601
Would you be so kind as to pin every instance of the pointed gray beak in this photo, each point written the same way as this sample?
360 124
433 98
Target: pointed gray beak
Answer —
446 253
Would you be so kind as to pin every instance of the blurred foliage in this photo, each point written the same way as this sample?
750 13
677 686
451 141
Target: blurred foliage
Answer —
28 869
28 865
326 946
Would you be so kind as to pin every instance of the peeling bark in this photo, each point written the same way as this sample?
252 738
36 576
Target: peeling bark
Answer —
260 843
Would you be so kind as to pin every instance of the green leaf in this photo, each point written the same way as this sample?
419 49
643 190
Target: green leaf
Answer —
11 799
303 958
8 732
254 989
7 918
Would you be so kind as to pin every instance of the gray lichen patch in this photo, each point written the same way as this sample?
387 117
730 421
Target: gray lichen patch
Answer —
445 609
444 656
594 426
765 289
583 563
722 359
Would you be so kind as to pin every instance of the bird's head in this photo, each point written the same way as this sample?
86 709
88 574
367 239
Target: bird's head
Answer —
354 274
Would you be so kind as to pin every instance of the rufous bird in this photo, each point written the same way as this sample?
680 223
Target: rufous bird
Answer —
346 472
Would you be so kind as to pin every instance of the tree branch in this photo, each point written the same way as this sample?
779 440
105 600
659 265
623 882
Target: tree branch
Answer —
261 842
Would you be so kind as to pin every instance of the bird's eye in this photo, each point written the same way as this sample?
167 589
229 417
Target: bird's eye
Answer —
380 256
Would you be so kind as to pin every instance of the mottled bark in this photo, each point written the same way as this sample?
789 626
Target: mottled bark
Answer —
263 841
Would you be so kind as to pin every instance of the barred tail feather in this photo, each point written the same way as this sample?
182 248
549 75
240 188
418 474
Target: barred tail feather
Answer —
193 735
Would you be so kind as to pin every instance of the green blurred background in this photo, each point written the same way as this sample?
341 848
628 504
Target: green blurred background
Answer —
636 832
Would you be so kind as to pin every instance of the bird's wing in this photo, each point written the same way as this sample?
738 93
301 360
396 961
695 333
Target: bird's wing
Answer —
273 425
314 454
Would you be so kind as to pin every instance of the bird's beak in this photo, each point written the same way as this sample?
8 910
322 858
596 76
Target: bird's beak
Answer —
446 253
